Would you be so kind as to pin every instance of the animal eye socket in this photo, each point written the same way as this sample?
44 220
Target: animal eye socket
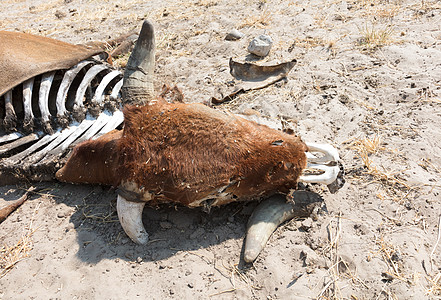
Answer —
277 143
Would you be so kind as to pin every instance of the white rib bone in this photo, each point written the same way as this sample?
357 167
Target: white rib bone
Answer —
99 92
9 107
116 89
102 119
18 142
19 156
10 137
130 217
43 99
90 75
68 78
331 169
77 131
61 136
28 86
115 121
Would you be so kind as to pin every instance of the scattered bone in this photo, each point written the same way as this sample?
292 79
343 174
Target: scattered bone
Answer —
252 77
260 45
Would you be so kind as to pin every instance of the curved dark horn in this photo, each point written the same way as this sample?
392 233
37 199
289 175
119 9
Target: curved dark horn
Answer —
138 76
270 213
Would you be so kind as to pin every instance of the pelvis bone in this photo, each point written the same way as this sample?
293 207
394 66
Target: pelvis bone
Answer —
193 155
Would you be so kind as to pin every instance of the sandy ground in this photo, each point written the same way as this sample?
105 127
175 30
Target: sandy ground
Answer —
368 81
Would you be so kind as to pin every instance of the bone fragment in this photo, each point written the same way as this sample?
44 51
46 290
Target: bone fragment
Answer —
28 86
138 76
99 92
130 217
68 78
43 101
10 120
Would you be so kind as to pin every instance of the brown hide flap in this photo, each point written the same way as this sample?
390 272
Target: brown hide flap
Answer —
23 56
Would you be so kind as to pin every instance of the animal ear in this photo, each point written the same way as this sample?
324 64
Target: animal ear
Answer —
277 143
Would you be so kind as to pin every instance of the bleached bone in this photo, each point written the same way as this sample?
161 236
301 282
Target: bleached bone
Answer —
10 120
130 217
43 101
114 122
90 75
68 78
327 163
116 89
99 123
15 159
10 137
18 142
99 92
28 86
75 132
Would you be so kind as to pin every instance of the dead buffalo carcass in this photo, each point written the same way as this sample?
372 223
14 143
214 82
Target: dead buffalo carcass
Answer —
196 156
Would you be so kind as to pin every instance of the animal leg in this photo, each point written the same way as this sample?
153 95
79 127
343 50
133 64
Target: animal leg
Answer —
130 217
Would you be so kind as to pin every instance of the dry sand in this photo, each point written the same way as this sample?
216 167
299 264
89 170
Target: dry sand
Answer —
368 81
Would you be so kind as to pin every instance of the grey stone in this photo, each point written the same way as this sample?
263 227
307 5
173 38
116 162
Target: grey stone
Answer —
234 35
260 45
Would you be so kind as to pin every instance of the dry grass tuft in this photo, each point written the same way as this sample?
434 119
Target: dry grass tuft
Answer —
373 38
11 255
367 146
435 285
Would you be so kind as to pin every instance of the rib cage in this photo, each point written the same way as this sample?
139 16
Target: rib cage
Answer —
42 118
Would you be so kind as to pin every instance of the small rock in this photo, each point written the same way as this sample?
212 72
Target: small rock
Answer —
234 35
260 45
165 225
61 215
139 260
190 285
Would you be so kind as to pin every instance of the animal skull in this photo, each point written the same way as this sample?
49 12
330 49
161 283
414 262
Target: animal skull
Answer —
192 155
